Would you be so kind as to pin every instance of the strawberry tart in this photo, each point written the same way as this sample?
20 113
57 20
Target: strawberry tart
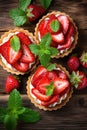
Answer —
15 55
49 90
62 29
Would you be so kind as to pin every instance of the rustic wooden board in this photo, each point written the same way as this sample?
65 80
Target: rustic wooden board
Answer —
74 115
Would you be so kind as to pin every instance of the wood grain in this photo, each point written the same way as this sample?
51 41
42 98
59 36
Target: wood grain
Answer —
73 116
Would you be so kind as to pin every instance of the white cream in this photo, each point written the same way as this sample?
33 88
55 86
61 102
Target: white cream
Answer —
39 102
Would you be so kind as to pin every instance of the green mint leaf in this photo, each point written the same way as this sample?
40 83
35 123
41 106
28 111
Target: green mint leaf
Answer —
23 4
19 16
15 43
34 48
50 89
55 25
53 51
45 3
29 116
44 59
14 100
10 121
3 112
46 41
51 67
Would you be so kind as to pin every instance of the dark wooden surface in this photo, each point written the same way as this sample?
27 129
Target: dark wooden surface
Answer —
73 116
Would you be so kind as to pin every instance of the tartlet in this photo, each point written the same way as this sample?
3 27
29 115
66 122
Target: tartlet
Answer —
37 88
62 29
22 60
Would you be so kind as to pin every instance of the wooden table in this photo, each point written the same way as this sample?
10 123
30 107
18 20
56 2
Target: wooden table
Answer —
73 116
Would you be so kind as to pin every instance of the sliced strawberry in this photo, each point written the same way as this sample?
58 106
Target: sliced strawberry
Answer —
24 38
51 101
60 74
13 56
27 55
64 92
60 85
20 66
43 28
38 75
59 38
40 96
5 47
64 20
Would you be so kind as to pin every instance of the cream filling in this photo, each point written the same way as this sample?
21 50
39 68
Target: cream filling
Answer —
39 101
4 60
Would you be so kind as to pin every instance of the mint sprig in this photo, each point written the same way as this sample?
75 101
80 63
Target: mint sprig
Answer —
44 51
15 43
15 111
55 25
50 89
45 3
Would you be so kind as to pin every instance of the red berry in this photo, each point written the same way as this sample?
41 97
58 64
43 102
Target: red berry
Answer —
73 63
11 83
83 59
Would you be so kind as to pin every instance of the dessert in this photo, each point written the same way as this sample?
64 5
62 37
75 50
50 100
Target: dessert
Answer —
62 29
49 90
15 54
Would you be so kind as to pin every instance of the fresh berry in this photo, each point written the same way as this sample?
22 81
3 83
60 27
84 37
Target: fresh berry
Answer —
53 25
13 56
60 85
5 47
73 63
38 75
40 96
83 59
20 66
27 55
64 22
59 38
11 83
61 74
51 101
34 12
78 79
24 38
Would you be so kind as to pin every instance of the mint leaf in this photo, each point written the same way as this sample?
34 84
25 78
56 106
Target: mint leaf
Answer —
10 121
29 116
34 48
23 4
53 51
46 3
19 16
51 67
50 89
3 112
15 43
15 100
46 40
55 25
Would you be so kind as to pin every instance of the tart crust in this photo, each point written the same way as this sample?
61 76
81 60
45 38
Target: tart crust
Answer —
58 106
14 71
75 36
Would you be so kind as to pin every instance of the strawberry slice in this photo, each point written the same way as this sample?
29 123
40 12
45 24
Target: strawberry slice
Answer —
38 75
24 38
51 101
27 55
40 96
64 22
13 56
59 38
60 85
20 66
60 74
5 47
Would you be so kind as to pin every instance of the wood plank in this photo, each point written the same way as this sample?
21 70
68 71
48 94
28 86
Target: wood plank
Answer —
73 116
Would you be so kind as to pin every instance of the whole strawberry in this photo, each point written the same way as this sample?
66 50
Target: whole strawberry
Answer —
73 63
83 59
11 83
78 80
